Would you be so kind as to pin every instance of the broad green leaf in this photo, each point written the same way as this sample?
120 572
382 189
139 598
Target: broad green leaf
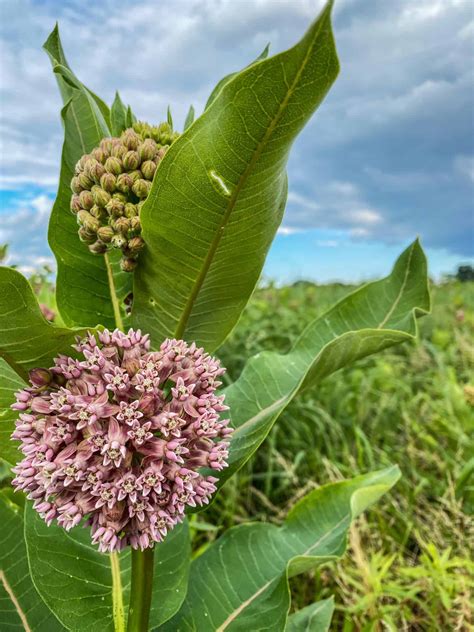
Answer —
118 116
85 589
374 317
21 608
218 196
27 339
83 290
225 80
314 618
189 117
171 573
9 383
89 590
241 581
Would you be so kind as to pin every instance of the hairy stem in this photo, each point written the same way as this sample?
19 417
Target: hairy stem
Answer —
117 594
113 293
140 591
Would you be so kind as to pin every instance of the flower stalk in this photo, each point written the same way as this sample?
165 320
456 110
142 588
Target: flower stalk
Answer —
141 590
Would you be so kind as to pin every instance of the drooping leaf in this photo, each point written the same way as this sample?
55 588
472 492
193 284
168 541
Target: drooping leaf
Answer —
314 618
241 581
21 607
374 317
189 118
27 339
82 288
263 55
9 383
84 591
219 194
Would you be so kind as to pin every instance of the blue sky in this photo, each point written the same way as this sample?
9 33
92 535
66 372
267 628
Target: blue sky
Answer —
388 156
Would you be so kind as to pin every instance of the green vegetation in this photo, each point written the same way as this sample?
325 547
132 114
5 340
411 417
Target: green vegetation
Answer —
409 568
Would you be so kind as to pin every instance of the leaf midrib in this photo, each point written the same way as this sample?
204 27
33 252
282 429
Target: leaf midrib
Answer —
233 200
233 615
15 602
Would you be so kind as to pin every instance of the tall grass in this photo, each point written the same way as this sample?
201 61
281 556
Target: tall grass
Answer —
410 566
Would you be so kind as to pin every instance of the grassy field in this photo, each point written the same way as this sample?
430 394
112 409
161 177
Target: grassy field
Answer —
408 566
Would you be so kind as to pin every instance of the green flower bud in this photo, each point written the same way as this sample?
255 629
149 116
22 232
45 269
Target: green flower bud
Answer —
143 129
147 150
81 162
124 183
86 199
99 154
100 197
115 208
94 170
87 221
75 204
148 169
106 146
121 225
108 182
114 165
98 247
91 224
119 241
135 245
75 185
86 236
135 226
135 175
130 210
141 188
84 181
105 234
130 139
119 150
161 153
99 212
127 264
131 160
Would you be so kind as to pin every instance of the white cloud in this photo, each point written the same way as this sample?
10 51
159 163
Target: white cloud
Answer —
288 230
392 124
364 216
465 166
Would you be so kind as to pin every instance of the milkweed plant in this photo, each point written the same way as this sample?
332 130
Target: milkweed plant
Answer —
115 424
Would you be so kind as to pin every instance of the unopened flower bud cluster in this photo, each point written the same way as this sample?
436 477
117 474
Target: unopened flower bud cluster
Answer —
116 437
111 184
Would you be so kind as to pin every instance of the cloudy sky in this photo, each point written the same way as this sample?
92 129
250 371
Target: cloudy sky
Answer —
387 157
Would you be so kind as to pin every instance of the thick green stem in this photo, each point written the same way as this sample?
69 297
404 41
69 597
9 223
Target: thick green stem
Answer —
140 591
113 294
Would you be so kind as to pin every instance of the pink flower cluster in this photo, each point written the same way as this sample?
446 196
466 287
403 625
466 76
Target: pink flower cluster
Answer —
117 437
